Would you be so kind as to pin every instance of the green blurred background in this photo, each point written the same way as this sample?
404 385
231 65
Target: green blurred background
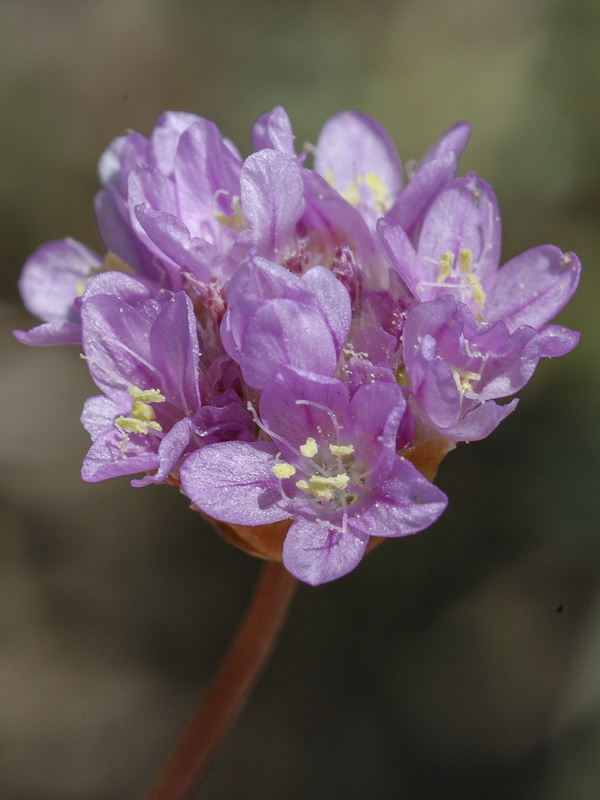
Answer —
461 662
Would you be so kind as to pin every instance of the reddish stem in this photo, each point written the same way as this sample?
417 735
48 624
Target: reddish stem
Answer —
194 752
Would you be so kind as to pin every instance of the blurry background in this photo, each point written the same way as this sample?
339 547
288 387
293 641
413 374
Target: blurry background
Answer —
461 662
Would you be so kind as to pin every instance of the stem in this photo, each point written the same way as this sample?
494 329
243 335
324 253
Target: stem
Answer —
194 752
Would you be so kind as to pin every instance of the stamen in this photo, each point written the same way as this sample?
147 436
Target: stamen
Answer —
141 417
284 470
464 379
322 492
135 425
465 261
115 263
336 481
478 293
446 264
309 448
341 449
380 193
142 411
146 395
236 221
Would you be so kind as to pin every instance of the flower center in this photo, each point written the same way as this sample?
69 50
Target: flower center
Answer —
332 476
460 276
142 417
353 192
236 220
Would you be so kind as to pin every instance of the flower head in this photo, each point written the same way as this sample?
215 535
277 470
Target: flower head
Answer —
297 348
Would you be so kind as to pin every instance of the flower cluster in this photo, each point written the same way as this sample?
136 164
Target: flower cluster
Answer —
296 348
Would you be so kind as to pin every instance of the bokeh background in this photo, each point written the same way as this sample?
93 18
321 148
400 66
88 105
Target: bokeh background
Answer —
461 662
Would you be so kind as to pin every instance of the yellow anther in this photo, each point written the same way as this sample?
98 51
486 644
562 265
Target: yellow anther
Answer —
146 395
352 193
142 411
141 417
115 263
402 377
322 492
465 261
336 481
80 288
446 264
309 448
380 193
341 449
465 379
330 178
134 425
478 293
237 221
284 470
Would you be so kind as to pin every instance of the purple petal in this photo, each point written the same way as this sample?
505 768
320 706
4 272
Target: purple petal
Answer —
453 141
99 412
480 422
435 170
148 188
332 222
401 253
375 412
207 177
272 201
262 278
172 241
351 148
421 190
555 340
284 333
122 155
116 341
404 503
317 554
463 216
107 458
533 287
234 482
112 219
298 405
134 290
512 360
51 333
171 448
166 135
54 276
332 301
274 131
174 353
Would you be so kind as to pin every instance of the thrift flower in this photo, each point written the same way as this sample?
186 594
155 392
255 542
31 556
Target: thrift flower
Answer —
297 348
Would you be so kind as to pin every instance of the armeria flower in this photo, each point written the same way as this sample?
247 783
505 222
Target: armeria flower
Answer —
52 282
147 367
327 462
457 367
298 348
458 253
275 318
